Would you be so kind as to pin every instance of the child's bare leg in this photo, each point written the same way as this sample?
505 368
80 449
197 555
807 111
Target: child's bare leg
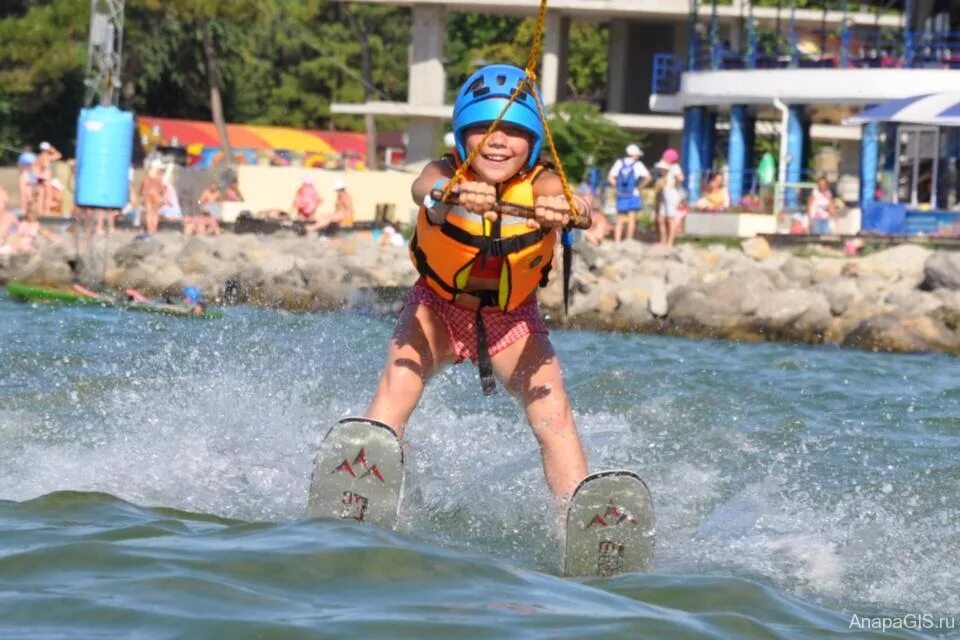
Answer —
530 370
420 346
631 225
618 229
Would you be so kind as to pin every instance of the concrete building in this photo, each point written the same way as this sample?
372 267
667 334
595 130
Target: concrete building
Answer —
639 29
731 73
681 71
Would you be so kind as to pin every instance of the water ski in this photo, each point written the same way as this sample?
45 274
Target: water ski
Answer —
358 474
609 526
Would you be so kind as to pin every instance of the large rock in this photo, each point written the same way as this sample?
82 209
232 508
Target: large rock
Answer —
195 256
902 262
840 294
135 252
694 310
741 293
891 332
799 271
942 269
784 307
757 248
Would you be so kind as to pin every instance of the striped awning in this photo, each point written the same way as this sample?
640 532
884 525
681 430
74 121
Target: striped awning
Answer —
184 133
939 109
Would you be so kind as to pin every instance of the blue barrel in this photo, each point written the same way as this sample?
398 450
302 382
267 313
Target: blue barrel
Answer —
104 154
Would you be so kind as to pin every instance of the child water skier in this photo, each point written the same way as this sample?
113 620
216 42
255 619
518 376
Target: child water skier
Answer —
479 272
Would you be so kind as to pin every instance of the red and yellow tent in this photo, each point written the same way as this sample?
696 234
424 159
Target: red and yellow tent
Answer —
196 134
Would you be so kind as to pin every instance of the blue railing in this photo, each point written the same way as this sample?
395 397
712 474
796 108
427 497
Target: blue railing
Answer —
860 47
838 48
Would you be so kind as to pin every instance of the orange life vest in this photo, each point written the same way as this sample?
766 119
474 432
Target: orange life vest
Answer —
445 253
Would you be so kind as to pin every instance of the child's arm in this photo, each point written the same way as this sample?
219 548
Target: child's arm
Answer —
433 174
427 180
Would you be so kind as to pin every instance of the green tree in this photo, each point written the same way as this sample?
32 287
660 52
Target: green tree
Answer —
583 136
42 59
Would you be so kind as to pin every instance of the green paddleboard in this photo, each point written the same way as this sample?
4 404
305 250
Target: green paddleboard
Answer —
33 293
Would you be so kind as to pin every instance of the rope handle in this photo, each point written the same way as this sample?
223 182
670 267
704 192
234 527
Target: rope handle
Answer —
508 208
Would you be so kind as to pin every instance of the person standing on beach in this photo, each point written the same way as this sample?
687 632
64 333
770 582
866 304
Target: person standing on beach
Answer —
628 175
28 181
670 197
821 210
44 170
477 294
152 196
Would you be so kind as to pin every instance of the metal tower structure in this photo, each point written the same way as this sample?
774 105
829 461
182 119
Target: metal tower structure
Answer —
102 80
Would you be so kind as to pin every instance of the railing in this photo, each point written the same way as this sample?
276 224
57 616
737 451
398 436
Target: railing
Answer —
860 47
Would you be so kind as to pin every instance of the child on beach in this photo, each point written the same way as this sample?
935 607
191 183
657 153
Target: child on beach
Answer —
476 296
28 233
152 194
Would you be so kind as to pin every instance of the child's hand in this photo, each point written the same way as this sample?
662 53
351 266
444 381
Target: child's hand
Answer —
478 197
553 211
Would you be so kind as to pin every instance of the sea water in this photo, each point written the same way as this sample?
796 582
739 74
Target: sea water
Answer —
154 476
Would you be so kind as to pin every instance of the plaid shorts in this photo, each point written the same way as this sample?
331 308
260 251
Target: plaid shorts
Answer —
503 328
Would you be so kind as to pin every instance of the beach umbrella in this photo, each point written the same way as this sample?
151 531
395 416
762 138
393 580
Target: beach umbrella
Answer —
938 109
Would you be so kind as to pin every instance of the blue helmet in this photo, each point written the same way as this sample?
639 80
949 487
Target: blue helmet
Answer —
192 293
482 98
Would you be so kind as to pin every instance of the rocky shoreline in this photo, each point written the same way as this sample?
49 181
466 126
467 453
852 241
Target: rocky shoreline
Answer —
904 298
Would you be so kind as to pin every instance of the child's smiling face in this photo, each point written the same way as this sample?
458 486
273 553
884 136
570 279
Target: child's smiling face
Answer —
503 156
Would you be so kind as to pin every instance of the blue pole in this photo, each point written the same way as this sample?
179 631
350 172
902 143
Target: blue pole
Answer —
908 33
714 38
890 147
795 157
947 190
693 45
737 152
692 163
794 52
845 39
708 139
869 148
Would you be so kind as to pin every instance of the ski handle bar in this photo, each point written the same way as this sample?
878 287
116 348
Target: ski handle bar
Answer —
509 209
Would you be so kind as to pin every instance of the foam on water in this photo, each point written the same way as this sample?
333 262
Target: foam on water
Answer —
830 474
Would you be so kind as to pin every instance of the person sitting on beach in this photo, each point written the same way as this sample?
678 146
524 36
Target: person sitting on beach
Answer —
206 222
8 221
715 196
56 197
171 209
232 192
342 215
27 235
388 237
306 201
